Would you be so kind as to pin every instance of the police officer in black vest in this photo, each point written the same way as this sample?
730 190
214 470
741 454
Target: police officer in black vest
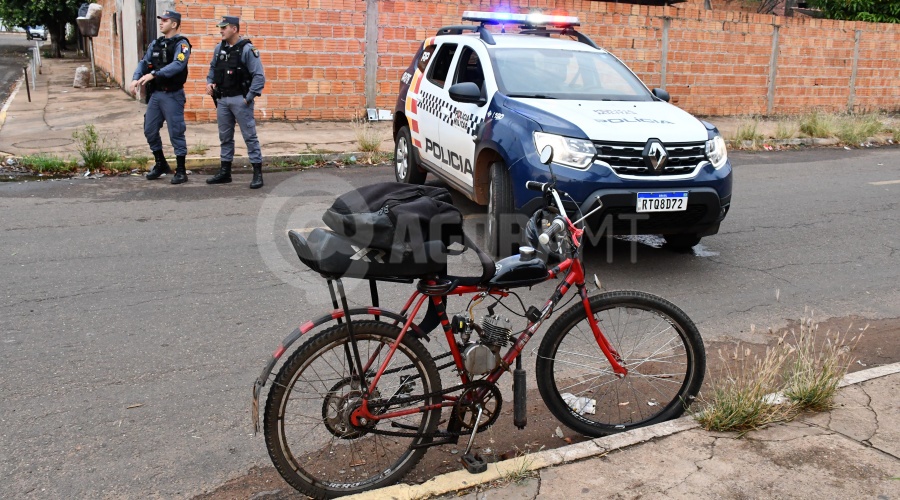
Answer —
164 69
235 79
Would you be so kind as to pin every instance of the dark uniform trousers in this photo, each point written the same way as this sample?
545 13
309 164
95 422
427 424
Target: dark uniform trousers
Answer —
233 110
166 107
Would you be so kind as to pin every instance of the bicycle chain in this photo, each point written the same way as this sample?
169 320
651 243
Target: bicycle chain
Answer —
438 433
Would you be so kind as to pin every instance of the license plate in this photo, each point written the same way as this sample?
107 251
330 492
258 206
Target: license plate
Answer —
672 201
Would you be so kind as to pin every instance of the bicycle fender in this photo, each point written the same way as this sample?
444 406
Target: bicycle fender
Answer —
306 328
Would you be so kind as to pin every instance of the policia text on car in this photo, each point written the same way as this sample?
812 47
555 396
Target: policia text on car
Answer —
163 70
235 79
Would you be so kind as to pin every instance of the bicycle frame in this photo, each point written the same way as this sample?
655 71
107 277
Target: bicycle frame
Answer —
575 276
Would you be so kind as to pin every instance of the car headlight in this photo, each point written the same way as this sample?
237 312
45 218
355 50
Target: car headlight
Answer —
716 151
567 151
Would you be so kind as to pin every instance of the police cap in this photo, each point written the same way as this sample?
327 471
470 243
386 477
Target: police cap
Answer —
170 14
226 20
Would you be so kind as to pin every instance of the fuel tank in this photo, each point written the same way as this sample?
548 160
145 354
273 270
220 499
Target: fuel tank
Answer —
524 269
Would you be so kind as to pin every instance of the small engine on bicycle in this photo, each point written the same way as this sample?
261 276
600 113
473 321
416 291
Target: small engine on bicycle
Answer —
482 355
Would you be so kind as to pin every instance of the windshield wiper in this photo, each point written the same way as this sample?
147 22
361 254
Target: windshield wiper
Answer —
532 96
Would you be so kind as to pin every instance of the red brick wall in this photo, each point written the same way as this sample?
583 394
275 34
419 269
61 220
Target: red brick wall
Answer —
718 61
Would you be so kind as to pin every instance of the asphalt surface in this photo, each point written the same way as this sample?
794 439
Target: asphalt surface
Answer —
13 57
136 315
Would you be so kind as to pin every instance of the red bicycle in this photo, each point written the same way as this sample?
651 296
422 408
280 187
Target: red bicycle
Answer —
357 404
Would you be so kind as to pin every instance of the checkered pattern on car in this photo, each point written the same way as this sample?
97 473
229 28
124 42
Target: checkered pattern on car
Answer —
471 124
433 104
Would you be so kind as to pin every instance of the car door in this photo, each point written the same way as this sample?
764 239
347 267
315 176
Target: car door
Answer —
428 105
458 134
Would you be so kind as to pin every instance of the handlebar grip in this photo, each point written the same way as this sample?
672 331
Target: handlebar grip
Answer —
555 227
535 186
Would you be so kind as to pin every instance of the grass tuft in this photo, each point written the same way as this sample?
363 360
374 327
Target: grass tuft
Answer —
816 368
806 368
818 124
857 129
367 136
748 131
93 148
44 163
738 401
786 129
198 149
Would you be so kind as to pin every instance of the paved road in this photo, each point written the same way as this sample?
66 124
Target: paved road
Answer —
13 56
134 316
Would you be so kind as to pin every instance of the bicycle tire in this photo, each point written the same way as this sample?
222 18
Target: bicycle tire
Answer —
336 460
650 334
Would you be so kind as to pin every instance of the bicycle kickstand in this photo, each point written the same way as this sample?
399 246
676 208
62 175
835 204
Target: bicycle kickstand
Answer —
475 464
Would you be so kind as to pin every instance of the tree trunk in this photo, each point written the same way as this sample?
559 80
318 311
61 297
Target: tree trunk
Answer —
56 40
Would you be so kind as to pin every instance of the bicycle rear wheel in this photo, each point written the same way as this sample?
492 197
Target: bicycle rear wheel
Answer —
306 424
659 345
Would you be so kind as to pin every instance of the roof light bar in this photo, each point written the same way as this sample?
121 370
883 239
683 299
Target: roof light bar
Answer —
533 19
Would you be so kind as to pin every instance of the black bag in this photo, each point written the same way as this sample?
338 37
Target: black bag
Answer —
395 217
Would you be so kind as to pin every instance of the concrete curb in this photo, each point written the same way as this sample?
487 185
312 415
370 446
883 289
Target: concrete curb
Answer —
9 101
460 480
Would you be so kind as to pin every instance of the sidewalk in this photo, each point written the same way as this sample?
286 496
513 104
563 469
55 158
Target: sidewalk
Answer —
56 110
851 452
45 125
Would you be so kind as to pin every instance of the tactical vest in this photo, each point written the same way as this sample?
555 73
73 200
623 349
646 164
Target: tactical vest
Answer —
231 76
165 50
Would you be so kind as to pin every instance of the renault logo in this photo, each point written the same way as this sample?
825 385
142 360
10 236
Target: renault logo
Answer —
655 156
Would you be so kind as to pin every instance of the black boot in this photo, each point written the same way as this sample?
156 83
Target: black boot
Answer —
257 182
180 174
161 167
224 175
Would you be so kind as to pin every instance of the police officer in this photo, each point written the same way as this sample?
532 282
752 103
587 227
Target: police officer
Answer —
235 79
164 69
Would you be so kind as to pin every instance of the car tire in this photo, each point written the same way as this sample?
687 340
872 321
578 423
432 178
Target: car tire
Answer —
406 160
502 219
681 242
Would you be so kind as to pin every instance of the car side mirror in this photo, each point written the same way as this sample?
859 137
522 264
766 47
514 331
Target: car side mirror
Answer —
467 92
547 154
661 94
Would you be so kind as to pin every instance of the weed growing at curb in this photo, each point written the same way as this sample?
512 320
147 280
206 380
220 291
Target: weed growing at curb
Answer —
93 148
748 131
786 129
817 124
44 163
522 471
738 402
368 138
814 372
801 373
857 129
198 149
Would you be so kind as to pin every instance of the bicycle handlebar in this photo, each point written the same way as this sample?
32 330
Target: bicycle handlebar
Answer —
535 186
555 228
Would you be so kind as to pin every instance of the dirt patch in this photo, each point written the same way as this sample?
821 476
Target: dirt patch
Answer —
877 346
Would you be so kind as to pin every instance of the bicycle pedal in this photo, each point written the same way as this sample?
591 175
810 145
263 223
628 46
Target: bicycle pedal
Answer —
473 463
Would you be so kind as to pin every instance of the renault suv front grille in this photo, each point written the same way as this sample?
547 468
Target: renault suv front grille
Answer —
626 158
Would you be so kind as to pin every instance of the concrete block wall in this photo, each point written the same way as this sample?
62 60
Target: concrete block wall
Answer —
711 62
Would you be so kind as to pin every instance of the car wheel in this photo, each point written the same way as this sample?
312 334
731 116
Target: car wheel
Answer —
406 161
503 225
681 242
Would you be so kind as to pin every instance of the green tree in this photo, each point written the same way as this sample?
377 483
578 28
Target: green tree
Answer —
53 14
873 11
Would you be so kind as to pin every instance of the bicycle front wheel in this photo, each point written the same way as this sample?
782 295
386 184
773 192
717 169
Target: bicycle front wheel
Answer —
308 433
658 344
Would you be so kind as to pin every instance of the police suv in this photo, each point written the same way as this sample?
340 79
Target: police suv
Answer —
476 108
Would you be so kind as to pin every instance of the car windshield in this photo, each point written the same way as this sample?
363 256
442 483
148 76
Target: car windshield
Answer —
566 74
